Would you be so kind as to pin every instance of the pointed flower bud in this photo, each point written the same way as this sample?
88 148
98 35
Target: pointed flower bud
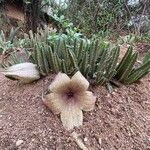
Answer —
24 72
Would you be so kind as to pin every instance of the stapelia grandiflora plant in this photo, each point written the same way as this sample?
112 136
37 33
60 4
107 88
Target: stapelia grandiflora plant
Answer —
68 97
24 72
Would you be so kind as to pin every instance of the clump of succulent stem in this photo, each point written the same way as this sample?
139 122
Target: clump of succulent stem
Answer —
96 60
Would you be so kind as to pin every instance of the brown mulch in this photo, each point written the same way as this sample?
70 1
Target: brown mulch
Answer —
142 48
120 121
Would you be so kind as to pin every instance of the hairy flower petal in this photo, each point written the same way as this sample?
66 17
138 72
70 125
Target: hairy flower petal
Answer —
54 102
79 82
69 98
71 117
60 83
86 101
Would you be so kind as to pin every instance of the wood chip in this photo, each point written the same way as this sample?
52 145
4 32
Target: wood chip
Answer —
78 141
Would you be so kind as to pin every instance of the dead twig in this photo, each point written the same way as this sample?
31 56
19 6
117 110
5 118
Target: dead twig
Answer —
78 141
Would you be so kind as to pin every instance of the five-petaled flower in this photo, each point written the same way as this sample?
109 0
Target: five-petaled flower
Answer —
69 97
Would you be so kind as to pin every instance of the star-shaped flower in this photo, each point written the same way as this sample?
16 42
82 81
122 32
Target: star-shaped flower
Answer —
69 97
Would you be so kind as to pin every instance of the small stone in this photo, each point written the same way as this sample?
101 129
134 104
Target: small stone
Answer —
113 93
19 142
4 94
115 90
33 140
108 95
85 139
100 141
10 125
9 117
22 106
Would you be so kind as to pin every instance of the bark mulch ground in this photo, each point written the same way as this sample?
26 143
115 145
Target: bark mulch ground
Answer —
120 121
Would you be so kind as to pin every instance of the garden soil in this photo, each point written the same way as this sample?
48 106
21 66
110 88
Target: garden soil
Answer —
120 120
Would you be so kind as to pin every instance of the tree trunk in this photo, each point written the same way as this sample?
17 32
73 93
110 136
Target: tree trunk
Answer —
32 12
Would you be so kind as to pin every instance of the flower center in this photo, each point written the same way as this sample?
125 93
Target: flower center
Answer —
70 94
